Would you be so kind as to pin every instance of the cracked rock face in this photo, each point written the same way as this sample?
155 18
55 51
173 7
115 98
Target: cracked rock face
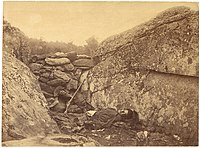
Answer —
153 68
25 111
167 43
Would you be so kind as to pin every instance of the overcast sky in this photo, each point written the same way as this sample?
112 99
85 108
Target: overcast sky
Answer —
77 21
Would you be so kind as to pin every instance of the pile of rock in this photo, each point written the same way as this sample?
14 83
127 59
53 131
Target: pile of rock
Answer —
60 75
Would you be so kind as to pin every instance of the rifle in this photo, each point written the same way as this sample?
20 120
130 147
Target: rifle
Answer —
69 102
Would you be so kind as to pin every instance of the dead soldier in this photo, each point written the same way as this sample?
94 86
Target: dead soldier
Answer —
107 117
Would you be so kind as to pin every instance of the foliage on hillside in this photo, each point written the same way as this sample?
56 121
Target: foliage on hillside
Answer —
39 46
22 47
15 42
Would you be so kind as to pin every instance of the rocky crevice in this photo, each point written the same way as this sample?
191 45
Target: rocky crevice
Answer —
152 68
60 76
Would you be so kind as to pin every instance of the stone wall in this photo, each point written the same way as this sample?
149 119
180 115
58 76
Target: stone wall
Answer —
59 76
153 68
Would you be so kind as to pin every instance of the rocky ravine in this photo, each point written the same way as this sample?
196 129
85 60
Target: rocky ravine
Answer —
26 121
59 76
153 68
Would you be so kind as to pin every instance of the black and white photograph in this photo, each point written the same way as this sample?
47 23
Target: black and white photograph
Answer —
100 73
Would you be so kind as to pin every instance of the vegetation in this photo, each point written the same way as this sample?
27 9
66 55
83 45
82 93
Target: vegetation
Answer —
22 47
15 42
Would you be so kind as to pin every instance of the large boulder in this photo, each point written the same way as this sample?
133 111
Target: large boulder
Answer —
35 66
61 75
25 111
168 43
56 82
153 68
47 88
72 84
57 61
80 56
68 67
72 55
83 63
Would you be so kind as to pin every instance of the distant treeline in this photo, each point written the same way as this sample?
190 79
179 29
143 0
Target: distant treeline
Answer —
22 47
39 46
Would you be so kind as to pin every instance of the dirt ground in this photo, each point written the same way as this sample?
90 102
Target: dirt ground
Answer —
119 136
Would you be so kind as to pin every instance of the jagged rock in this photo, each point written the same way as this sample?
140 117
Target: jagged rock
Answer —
72 84
54 140
79 99
72 56
61 75
56 82
85 83
152 68
36 72
24 106
41 62
61 68
78 73
49 68
57 61
46 88
74 109
48 75
42 71
83 63
43 79
35 58
51 76
68 67
35 66
45 74
69 123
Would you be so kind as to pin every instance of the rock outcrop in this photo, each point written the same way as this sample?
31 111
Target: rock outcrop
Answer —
25 110
153 68
167 43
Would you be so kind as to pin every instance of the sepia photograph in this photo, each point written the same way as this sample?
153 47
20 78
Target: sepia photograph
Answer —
100 73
